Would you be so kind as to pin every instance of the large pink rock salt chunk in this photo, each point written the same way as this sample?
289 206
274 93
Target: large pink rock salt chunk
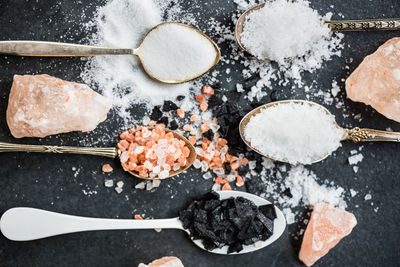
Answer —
376 81
164 262
327 226
42 105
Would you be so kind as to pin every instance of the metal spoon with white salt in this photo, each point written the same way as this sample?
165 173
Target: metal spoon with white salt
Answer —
355 134
170 52
42 223
109 152
334 25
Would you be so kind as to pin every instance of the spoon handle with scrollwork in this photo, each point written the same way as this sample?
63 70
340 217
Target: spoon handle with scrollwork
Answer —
110 152
364 25
363 135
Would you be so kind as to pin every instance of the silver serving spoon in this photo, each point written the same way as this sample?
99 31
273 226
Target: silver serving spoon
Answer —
25 224
109 152
334 25
355 134
55 49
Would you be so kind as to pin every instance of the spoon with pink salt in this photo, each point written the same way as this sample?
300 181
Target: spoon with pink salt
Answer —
145 152
170 52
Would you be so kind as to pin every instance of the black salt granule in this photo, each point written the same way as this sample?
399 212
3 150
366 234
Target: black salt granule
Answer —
233 222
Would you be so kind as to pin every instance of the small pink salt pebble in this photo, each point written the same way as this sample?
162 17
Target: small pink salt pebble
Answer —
376 81
326 228
164 262
107 168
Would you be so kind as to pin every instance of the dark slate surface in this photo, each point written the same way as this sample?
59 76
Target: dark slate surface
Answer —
48 181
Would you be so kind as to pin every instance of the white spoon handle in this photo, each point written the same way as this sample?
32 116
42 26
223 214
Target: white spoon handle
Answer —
24 224
54 49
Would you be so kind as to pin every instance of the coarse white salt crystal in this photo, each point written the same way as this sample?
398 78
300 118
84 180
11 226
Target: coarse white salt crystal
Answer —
355 169
163 174
118 190
219 171
124 156
207 175
140 185
197 164
353 192
294 132
174 52
108 183
148 165
367 197
149 185
204 166
354 151
224 98
252 164
283 29
156 169
156 183
166 167
146 121
153 175
355 159
216 187
120 184
231 177
176 167
139 149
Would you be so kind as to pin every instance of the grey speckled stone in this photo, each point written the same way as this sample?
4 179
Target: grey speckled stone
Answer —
48 181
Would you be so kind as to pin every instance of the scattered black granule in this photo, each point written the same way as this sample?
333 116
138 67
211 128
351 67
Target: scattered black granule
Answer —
209 134
233 222
180 97
173 125
163 120
287 193
216 86
227 166
214 101
156 113
250 82
169 106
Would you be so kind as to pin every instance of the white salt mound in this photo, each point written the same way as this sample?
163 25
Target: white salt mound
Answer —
294 133
284 29
174 52
123 24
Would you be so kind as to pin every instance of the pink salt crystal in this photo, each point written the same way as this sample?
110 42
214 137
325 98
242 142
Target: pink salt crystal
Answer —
42 105
164 262
376 81
326 228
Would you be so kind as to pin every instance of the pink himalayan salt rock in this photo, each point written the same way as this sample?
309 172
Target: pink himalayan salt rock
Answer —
376 81
42 105
326 228
164 262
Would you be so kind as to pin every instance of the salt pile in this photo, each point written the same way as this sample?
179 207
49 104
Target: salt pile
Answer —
123 24
283 29
294 132
175 52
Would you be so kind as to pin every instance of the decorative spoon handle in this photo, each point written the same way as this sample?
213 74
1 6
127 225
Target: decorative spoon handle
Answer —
362 135
24 224
110 152
364 25
54 49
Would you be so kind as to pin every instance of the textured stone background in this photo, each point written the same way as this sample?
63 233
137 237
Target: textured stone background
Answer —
48 181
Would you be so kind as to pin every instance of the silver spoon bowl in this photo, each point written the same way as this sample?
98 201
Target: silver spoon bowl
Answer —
355 134
42 224
334 25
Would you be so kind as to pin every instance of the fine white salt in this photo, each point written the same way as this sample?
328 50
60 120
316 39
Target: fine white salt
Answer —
283 29
294 133
175 52
123 24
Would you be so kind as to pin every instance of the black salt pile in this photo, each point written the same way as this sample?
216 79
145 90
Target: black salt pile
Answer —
234 222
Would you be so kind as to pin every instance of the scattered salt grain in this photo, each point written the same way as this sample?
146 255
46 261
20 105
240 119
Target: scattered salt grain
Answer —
120 184
355 159
174 52
283 29
207 175
367 197
294 132
140 185
118 190
108 183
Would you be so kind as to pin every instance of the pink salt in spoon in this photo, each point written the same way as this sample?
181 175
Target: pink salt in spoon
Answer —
109 152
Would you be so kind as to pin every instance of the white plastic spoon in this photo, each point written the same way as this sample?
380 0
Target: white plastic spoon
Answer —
25 224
